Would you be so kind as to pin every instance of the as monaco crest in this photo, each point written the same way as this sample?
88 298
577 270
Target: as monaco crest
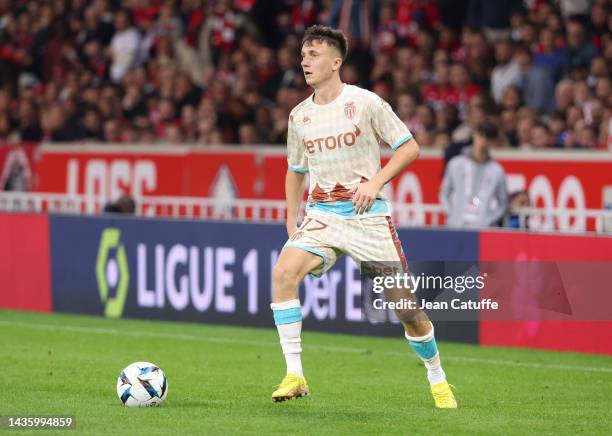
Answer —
349 110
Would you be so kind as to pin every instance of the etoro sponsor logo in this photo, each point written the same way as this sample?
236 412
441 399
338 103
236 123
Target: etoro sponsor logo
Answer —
346 139
112 272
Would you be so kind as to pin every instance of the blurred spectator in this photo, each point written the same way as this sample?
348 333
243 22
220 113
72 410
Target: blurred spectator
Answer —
564 94
524 128
494 17
548 54
248 134
463 88
124 45
570 8
512 98
517 200
541 137
557 128
506 72
355 19
536 83
29 128
112 131
440 91
599 15
475 116
92 125
509 125
124 204
578 52
473 192
160 71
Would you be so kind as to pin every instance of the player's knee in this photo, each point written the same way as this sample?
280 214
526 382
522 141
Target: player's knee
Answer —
284 277
409 316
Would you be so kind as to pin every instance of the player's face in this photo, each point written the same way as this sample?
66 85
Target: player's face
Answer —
319 62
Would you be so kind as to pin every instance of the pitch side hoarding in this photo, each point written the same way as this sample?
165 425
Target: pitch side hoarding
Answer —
217 272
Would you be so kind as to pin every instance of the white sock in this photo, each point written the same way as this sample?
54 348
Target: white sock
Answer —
435 373
288 319
427 349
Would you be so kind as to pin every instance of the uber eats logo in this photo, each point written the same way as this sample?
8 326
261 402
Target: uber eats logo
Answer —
112 272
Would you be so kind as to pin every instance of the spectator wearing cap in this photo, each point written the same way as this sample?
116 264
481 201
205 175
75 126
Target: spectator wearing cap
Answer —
473 192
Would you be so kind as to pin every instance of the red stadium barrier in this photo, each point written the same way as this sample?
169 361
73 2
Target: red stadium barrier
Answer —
25 264
580 336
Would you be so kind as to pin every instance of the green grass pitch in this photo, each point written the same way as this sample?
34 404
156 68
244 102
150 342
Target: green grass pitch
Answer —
221 378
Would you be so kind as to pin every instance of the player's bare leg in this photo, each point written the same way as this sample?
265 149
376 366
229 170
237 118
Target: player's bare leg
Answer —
419 331
292 266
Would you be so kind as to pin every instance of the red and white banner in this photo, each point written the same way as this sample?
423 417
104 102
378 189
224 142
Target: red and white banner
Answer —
563 179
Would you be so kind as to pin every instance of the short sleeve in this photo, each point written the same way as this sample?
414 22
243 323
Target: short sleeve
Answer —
296 158
387 125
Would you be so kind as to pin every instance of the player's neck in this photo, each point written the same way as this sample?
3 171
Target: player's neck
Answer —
328 91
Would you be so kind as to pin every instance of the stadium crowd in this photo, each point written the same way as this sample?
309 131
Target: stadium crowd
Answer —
210 72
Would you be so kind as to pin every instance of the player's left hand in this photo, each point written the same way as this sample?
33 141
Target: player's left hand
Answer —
364 195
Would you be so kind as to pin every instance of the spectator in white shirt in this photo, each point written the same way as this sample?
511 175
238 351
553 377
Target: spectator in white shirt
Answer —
506 72
124 46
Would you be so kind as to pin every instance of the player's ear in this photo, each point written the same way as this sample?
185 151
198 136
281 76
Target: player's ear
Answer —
336 64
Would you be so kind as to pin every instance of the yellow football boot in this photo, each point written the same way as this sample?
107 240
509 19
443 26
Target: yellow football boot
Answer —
292 386
443 396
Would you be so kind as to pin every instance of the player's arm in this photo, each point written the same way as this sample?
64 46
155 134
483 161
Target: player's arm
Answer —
294 191
404 155
297 167
365 193
395 133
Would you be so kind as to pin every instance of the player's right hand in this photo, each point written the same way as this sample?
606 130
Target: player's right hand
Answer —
364 195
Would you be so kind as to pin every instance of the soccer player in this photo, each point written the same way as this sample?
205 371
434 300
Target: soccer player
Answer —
334 136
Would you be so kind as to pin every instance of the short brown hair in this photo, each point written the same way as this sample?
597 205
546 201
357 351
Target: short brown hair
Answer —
332 37
488 130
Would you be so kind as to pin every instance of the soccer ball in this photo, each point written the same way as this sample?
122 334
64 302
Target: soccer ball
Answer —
142 384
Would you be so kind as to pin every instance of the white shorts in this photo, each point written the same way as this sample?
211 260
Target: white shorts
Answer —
371 239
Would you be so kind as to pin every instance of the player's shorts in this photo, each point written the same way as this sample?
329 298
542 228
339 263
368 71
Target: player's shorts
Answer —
369 239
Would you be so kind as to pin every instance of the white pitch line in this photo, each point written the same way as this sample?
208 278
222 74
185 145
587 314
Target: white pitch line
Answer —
334 349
